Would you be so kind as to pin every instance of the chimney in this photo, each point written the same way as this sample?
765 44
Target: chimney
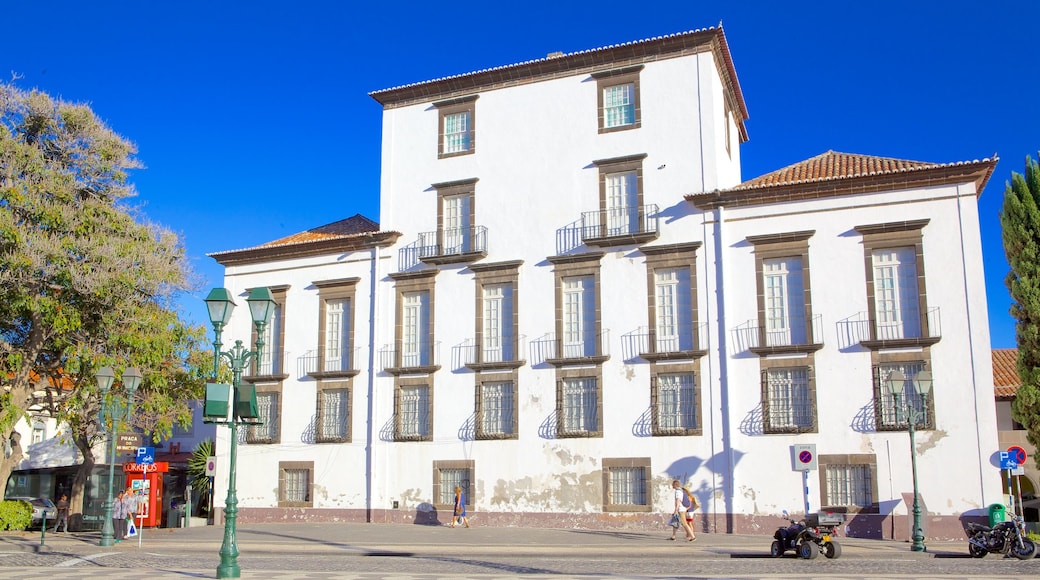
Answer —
556 54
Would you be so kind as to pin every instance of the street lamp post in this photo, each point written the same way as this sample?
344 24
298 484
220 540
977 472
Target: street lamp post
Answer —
220 305
113 412
921 385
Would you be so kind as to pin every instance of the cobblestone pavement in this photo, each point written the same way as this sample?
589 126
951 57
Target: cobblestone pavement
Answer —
374 551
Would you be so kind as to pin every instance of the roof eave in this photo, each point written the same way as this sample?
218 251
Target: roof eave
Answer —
305 249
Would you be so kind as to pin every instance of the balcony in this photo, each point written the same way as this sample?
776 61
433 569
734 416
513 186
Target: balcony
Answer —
270 368
505 356
319 364
902 329
419 359
451 245
594 349
685 342
620 226
797 335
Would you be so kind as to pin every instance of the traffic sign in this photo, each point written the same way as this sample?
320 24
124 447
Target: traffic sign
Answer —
145 455
211 466
1017 454
804 457
1006 461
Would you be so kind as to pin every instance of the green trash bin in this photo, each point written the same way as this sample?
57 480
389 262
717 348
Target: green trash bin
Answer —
997 512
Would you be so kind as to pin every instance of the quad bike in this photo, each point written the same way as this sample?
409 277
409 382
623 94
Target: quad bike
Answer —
808 537
1007 538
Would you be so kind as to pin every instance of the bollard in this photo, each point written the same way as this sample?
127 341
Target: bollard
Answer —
43 528
187 506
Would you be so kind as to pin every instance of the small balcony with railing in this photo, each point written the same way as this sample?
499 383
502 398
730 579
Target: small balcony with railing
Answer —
399 358
905 328
502 354
794 334
620 225
322 363
450 245
269 368
590 348
686 341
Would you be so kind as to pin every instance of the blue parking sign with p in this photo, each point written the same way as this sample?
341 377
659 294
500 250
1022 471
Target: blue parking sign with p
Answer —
1007 461
145 456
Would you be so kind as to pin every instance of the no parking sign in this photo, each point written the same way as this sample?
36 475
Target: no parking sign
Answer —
804 457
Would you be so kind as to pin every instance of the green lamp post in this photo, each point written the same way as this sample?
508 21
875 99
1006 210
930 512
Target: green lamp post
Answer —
220 306
113 412
915 414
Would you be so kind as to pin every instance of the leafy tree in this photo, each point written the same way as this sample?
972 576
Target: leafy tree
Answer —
1020 225
85 280
197 471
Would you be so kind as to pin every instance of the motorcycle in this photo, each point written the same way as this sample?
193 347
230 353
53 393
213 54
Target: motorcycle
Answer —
808 537
1004 538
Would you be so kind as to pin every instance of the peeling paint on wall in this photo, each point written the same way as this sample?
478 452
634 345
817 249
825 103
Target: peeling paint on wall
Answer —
930 439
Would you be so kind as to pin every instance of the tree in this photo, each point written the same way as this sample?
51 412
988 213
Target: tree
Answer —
1020 226
85 280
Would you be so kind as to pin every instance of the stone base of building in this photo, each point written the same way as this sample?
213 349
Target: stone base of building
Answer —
872 526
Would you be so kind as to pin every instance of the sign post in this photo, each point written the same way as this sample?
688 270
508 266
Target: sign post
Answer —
804 460
145 457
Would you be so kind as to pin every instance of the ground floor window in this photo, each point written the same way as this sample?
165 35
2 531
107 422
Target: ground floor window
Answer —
626 484
295 481
447 475
849 481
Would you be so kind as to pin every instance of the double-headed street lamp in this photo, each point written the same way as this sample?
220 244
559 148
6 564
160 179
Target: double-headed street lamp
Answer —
113 412
220 305
915 413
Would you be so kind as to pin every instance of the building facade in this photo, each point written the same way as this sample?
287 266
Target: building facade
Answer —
572 299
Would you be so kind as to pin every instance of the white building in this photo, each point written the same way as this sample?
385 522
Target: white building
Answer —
571 299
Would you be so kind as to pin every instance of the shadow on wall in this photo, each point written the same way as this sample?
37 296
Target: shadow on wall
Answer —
426 515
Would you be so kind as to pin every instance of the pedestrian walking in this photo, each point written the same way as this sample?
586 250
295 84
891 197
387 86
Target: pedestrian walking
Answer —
131 507
679 511
459 513
63 514
119 518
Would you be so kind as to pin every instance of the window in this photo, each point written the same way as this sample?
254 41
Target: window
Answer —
788 400
456 134
336 352
295 481
785 323
415 329
497 343
618 97
849 481
891 416
622 203
271 362
578 407
268 404
579 317
498 323
496 407
333 422
412 407
896 294
674 401
621 210
447 475
626 484
39 431
674 332
337 337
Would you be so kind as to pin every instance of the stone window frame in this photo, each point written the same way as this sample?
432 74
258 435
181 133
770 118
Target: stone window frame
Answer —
496 377
563 374
461 187
879 358
612 78
671 257
896 235
467 464
612 166
252 433
284 466
676 368
451 107
868 459
494 274
280 296
407 282
784 245
807 362
576 266
609 463
337 385
339 289
413 381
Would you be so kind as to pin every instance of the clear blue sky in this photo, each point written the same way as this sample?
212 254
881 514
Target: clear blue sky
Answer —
254 120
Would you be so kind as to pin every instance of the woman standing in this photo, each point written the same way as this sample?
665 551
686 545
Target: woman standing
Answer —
459 513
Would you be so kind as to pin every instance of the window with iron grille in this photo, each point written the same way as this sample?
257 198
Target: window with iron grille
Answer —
413 412
626 484
578 407
449 474
497 409
848 485
891 416
295 480
788 403
266 431
333 415
674 399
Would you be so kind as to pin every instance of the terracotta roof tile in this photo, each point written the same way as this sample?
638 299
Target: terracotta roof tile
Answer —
351 226
833 165
1005 375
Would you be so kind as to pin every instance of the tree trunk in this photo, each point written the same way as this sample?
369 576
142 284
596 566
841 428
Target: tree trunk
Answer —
9 462
76 498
